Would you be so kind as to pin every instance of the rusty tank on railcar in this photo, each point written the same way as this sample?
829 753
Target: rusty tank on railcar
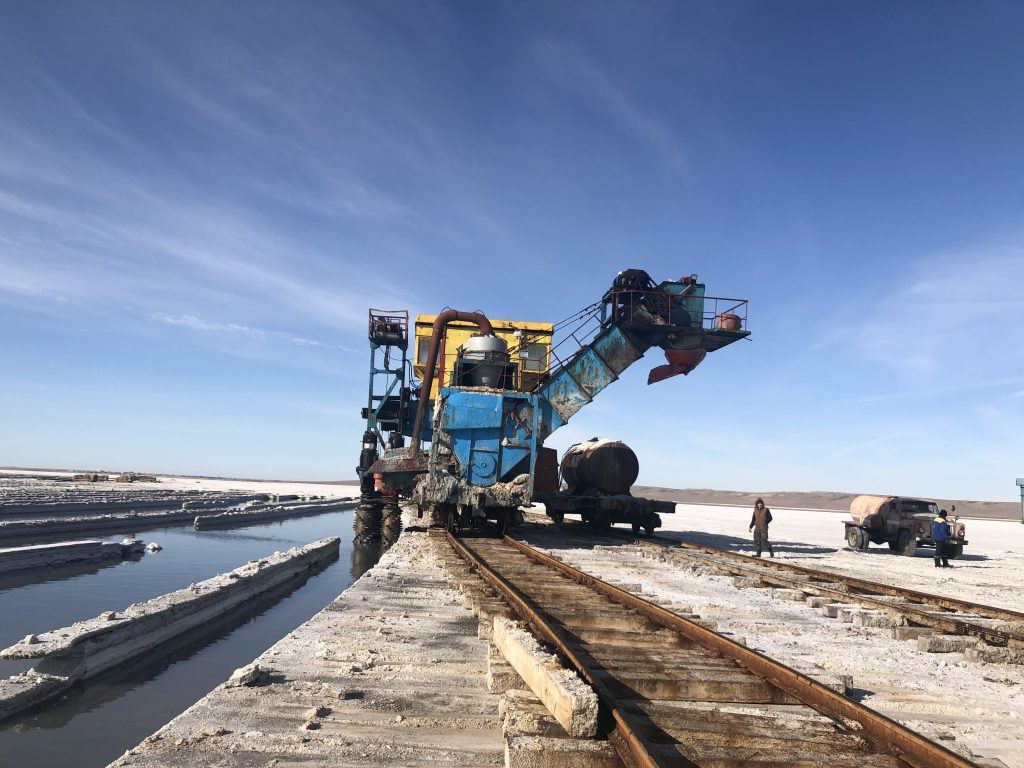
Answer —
599 464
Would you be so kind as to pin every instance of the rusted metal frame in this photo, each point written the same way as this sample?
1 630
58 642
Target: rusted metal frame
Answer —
588 337
739 303
877 728
950 625
440 324
638 755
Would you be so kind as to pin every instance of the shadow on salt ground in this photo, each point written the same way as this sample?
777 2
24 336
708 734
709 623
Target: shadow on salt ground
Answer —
859 694
746 544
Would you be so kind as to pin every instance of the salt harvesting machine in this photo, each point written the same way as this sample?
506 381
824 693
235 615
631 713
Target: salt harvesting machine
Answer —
477 399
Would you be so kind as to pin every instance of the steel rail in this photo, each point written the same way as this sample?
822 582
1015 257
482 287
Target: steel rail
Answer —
748 566
951 603
950 624
909 746
885 734
544 626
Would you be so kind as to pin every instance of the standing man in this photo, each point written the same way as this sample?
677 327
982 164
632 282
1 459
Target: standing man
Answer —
940 535
759 525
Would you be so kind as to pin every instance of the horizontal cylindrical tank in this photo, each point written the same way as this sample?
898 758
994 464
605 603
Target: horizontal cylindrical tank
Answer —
727 321
599 464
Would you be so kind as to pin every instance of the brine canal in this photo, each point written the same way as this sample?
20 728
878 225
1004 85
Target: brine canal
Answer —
95 723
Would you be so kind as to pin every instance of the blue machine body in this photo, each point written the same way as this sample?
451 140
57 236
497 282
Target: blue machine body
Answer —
494 435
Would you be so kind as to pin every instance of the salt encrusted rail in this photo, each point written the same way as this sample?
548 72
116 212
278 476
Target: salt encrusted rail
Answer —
225 501
23 529
275 512
59 554
90 647
113 503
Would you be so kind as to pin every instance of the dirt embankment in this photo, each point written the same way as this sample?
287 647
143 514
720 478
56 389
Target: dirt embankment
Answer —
840 502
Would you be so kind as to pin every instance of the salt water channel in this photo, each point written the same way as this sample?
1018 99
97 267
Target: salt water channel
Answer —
95 723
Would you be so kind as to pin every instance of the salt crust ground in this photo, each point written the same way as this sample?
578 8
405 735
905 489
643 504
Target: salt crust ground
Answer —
970 707
991 570
219 484
981 706
391 673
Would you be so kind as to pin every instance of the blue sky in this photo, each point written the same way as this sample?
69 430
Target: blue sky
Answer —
198 202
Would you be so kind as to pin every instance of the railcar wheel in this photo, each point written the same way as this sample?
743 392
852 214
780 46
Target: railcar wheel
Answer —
504 521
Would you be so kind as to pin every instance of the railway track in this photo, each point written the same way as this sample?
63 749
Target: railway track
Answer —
998 627
675 693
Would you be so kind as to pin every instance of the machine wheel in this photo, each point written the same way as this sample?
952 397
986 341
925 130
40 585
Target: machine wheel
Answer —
954 551
857 538
906 544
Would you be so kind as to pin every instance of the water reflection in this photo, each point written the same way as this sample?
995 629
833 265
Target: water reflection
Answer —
377 525
99 721
128 676
56 573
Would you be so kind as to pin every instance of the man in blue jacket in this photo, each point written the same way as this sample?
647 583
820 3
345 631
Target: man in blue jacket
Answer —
940 535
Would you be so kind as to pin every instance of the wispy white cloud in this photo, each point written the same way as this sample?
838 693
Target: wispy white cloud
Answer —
940 391
953 321
582 77
200 324
860 445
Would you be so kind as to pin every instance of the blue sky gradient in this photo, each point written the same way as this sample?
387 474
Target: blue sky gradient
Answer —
198 202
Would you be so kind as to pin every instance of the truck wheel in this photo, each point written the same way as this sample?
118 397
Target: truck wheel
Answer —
636 529
599 521
894 545
856 538
955 551
907 544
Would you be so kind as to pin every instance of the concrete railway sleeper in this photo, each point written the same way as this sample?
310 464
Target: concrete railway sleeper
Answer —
999 627
673 692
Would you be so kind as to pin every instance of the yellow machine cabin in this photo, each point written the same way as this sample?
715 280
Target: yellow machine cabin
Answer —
529 345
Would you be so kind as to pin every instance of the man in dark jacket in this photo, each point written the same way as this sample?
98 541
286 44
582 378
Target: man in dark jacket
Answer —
941 535
759 525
